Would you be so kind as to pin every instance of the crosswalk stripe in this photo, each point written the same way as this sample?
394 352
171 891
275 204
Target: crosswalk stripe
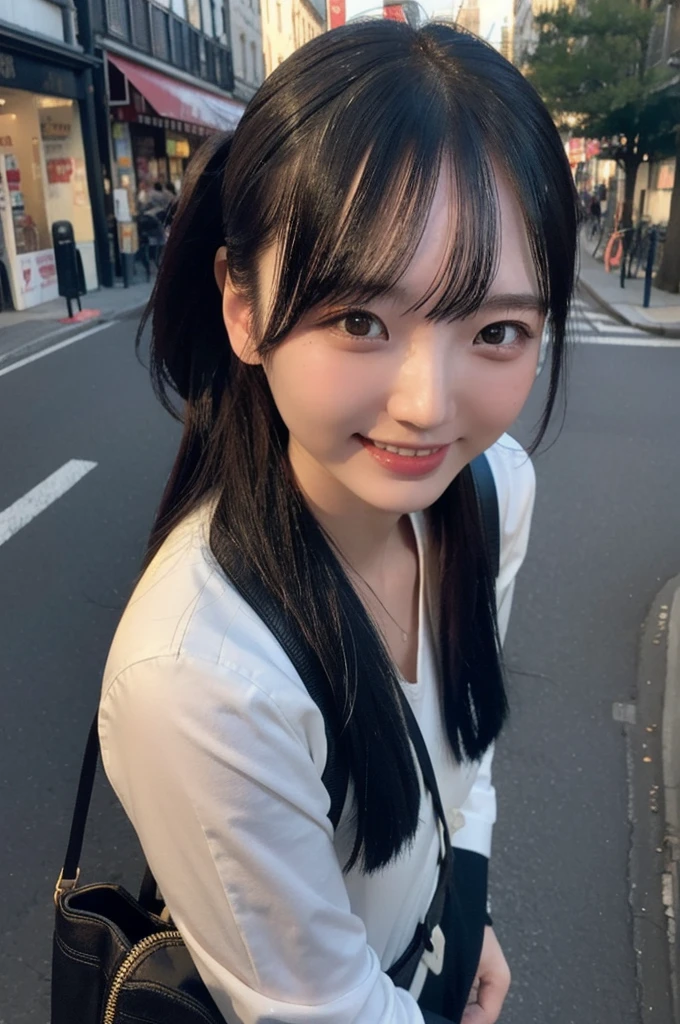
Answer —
646 341
592 328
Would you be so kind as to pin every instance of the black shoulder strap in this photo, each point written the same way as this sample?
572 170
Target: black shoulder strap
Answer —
487 502
257 596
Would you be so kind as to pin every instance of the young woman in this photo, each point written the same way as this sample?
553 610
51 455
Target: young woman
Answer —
350 307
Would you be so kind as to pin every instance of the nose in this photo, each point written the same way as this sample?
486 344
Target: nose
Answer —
422 395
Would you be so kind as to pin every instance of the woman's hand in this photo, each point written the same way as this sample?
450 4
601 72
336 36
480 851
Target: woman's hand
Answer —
491 985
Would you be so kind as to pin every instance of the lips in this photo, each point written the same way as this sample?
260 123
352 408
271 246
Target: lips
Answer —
405 461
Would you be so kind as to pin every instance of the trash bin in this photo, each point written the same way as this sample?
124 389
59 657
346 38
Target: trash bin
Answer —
70 276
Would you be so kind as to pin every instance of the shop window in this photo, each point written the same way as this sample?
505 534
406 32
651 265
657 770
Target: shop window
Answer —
42 180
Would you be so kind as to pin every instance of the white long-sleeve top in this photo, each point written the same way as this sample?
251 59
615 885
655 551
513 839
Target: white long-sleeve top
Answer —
216 751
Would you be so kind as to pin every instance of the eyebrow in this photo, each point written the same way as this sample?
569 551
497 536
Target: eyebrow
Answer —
526 301
508 300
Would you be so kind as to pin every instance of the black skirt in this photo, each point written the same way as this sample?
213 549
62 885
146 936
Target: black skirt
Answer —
445 995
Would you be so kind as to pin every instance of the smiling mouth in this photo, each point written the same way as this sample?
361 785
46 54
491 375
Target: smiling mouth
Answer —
412 452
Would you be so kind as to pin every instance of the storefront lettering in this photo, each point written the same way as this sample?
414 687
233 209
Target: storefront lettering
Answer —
7 69
54 82
50 129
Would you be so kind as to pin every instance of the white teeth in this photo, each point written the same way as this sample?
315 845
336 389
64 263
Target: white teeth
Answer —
417 453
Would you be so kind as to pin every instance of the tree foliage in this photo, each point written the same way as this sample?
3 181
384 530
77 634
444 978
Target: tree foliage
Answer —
590 67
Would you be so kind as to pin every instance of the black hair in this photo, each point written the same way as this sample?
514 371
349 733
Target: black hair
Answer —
336 160
157 186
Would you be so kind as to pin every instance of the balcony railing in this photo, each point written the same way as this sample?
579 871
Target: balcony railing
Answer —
156 31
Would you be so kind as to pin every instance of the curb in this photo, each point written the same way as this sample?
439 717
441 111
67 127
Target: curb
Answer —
670 741
65 332
653 761
656 331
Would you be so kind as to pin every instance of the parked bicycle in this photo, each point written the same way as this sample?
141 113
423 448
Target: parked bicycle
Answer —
640 246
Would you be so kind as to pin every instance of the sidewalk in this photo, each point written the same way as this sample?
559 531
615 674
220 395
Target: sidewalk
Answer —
671 782
662 316
22 333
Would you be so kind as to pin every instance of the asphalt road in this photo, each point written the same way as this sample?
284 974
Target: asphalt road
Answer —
605 540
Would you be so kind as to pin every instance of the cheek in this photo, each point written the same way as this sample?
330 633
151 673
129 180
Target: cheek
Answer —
316 389
499 396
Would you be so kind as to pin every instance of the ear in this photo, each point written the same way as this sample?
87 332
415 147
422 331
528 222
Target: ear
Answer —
236 312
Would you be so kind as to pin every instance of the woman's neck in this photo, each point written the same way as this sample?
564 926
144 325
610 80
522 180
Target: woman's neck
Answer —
364 536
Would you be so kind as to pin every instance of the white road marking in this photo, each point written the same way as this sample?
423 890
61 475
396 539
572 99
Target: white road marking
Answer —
648 341
55 348
41 497
593 328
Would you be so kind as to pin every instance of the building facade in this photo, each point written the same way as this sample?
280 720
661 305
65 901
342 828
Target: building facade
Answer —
287 25
166 80
525 31
245 17
48 158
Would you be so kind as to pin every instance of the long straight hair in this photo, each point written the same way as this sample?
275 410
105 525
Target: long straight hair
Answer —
335 163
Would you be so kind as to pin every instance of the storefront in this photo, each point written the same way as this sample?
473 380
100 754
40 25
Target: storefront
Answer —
157 124
42 178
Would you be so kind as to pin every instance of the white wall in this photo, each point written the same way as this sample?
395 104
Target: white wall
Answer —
39 16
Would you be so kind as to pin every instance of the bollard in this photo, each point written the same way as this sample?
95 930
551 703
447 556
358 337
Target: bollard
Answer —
649 268
70 277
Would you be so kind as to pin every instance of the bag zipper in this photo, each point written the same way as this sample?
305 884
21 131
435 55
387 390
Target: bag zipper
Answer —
170 937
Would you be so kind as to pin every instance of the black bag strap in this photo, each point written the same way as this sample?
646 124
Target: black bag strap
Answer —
403 970
68 877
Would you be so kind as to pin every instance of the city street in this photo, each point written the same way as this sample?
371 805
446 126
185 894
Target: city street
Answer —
605 540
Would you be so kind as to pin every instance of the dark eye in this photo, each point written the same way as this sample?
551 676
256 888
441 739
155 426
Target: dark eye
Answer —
500 334
362 325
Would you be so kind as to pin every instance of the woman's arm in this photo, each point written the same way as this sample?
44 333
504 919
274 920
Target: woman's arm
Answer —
225 795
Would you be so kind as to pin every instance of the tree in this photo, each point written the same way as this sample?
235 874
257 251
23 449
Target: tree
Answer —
590 67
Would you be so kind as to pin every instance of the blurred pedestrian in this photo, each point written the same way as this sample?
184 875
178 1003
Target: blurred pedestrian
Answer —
595 212
350 309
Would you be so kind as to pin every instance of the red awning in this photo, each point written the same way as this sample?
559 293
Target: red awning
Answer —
172 98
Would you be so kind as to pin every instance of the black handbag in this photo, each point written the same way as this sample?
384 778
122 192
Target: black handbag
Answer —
117 960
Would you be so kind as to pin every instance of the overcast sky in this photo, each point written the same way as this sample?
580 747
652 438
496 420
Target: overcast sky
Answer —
492 13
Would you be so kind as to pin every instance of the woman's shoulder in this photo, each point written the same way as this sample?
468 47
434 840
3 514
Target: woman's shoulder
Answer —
515 480
186 612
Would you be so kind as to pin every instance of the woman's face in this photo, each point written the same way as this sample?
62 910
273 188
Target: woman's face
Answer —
353 383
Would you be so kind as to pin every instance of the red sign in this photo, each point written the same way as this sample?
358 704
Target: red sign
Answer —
395 12
337 13
59 171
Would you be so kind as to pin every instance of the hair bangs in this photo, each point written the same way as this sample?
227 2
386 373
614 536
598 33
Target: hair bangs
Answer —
388 169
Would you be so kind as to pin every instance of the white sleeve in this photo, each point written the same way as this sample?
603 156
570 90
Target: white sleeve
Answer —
224 793
516 488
